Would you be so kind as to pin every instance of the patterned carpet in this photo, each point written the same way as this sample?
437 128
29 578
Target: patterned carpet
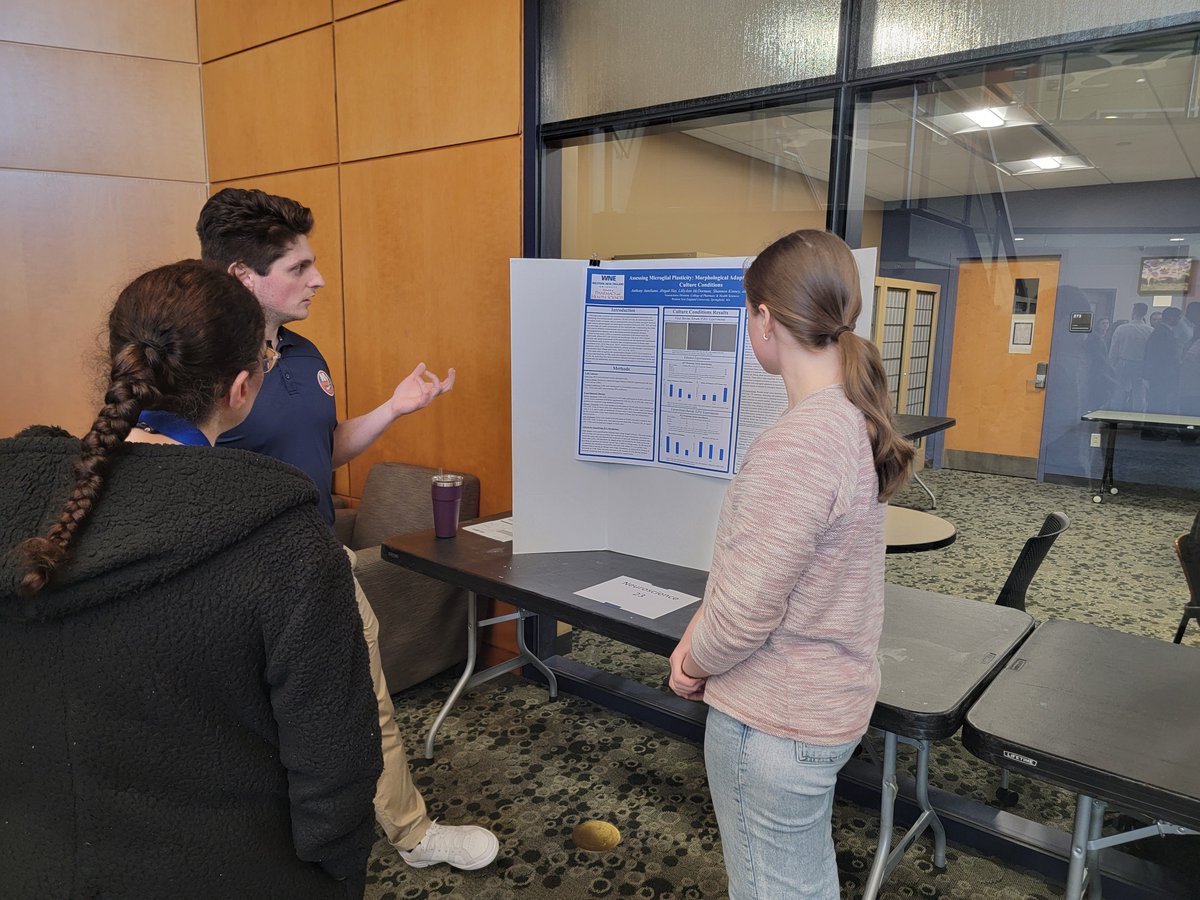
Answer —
532 769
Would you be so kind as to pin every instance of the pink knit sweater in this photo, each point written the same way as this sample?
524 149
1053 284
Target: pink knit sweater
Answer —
791 618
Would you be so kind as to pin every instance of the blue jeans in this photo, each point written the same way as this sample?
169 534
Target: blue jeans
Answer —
774 800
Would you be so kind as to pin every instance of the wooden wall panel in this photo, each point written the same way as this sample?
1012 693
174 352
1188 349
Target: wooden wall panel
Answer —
426 242
318 190
343 8
71 242
227 26
162 29
68 111
271 109
426 73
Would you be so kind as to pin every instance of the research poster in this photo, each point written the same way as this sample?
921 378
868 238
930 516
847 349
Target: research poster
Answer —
667 374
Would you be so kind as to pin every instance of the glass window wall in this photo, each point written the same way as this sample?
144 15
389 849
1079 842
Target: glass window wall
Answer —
706 187
1053 205
1035 222
603 56
904 31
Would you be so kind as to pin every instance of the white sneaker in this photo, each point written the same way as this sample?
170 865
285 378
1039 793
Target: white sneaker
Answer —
466 847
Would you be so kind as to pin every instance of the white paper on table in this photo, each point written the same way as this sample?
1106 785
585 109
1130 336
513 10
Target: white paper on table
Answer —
497 529
638 597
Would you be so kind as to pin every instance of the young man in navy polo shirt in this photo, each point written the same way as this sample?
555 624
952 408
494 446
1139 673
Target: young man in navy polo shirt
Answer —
262 240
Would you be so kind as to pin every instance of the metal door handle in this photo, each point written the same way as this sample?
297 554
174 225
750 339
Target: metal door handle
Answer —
1039 380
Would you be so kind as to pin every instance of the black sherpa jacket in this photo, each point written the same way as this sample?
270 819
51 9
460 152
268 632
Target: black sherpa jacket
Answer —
187 710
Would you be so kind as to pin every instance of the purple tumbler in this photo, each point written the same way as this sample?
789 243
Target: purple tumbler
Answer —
447 498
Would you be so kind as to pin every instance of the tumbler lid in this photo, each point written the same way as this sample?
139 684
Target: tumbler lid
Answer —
447 481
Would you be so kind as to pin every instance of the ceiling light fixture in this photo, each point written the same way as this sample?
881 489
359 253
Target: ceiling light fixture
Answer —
1176 239
1040 165
986 118
980 118
998 129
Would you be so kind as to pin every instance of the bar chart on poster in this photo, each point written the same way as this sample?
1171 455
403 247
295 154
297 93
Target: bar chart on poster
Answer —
699 369
667 377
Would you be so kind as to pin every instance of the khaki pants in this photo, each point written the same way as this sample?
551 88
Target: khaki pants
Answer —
399 806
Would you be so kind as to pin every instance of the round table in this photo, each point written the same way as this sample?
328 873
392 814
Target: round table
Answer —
912 531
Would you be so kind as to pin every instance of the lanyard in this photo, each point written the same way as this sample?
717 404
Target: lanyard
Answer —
175 427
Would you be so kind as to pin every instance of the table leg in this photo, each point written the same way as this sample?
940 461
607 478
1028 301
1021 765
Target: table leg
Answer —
887 809
1110 451
470 678
927 812
887 857
461 685
531 658
925 487
1077 869
1093 853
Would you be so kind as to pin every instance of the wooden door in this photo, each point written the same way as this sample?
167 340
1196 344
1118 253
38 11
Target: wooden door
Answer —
994 393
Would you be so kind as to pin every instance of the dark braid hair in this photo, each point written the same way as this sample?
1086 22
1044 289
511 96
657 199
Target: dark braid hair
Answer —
177 336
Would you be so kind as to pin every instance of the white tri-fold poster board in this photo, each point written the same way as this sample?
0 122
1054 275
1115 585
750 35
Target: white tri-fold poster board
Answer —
649 368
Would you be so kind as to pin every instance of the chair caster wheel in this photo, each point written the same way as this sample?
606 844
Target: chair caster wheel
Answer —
1097 499
1112 490
1007 798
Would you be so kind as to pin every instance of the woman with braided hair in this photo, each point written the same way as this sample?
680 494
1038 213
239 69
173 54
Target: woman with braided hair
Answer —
187 706
783 648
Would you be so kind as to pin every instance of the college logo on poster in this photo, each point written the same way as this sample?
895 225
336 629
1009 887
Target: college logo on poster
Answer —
325 382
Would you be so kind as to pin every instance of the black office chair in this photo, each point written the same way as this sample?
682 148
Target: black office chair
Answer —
1013 593
1188 551
1033 553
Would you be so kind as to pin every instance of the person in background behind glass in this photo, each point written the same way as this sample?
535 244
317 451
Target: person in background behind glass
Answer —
1098 379
1161 367
1126 355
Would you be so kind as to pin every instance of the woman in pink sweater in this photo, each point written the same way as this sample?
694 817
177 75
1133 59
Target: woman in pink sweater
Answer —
783 649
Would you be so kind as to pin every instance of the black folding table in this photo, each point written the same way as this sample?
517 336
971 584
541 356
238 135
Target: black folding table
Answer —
937 652
1113 716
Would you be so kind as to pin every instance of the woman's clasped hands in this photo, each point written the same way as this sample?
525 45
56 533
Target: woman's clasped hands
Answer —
681 683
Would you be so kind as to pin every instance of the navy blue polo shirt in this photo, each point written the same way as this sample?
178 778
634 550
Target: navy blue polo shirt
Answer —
294 416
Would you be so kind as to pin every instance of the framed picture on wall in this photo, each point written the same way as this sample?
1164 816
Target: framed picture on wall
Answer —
1165 275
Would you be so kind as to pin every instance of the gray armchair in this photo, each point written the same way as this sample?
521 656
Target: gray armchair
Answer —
422 622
